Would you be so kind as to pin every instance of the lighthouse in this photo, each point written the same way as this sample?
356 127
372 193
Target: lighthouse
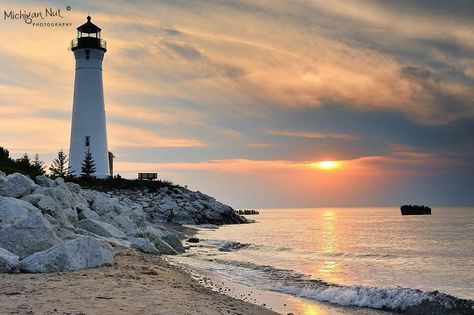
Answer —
88 127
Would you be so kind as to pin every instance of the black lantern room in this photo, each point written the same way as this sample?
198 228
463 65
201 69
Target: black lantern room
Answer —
88 36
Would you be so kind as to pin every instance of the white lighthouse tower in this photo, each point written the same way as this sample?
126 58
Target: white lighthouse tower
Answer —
88 129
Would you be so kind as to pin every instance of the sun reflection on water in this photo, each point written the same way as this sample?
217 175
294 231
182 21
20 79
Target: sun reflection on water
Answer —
309 309
330 267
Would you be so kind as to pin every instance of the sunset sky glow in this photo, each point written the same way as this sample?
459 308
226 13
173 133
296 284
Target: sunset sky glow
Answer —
243 99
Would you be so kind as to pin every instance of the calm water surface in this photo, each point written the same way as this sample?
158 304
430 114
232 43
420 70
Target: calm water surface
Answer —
375 248
367 246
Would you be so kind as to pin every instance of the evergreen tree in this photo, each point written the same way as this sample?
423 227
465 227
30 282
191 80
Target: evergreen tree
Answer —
24 163
38 165
5 160
59 166
88 165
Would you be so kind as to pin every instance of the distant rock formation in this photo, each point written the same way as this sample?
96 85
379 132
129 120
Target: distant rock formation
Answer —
248 212
53 226
415 210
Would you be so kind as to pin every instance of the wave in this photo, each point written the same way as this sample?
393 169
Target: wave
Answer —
233 246
398 299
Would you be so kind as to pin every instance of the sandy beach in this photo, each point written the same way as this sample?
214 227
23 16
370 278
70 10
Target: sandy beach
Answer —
137 284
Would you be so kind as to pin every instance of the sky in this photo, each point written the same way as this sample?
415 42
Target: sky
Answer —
241 99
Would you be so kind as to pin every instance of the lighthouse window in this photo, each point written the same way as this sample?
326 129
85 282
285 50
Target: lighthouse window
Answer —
87 53
87 141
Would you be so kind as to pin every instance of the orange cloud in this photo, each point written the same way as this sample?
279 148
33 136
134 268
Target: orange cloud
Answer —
121 136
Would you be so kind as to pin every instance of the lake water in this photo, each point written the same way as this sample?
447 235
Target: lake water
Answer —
359 257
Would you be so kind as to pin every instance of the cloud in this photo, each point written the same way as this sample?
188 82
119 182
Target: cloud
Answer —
130 137
310 134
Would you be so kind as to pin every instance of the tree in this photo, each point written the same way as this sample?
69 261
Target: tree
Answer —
5 160
38 165
88 165
24 163
59 166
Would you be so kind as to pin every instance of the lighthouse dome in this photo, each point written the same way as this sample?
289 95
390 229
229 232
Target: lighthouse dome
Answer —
89 27
88 36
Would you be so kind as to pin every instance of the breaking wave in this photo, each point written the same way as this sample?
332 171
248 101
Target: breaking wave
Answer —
398 299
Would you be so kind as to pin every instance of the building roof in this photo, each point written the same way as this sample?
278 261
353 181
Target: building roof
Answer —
89 27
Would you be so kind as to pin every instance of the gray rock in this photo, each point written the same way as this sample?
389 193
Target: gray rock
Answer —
16 186
174 242
143 244
48 204
23 230
116 242
73 187
163 247
103 204
89 195
63 196
33 198
193 240
84 212
121 221
182 217
148 231
54 223
53 208
8 261
80 253
59 181
66 234
101 228
155 236
71 215
44 181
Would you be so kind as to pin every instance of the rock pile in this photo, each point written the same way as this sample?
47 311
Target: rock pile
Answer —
181 206
52 226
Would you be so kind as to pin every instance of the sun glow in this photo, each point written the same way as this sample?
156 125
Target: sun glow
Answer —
326 165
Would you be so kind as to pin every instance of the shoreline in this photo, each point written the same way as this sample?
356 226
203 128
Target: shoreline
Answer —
279 302
137 283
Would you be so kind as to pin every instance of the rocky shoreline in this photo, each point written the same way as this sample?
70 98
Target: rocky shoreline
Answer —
56 226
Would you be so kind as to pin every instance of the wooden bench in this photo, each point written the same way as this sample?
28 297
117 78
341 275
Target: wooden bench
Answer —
147 176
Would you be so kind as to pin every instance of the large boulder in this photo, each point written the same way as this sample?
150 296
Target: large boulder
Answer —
8 261
155 236
44 181
23 230
50 206
103 204
100 228
174 242
121 221
84 212
32 198
16 185
89 195
163 247
143 245
80 253
181 217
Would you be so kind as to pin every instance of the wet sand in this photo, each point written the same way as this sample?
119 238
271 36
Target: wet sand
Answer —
137 284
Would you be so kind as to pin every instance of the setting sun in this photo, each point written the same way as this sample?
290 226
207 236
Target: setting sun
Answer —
326 165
